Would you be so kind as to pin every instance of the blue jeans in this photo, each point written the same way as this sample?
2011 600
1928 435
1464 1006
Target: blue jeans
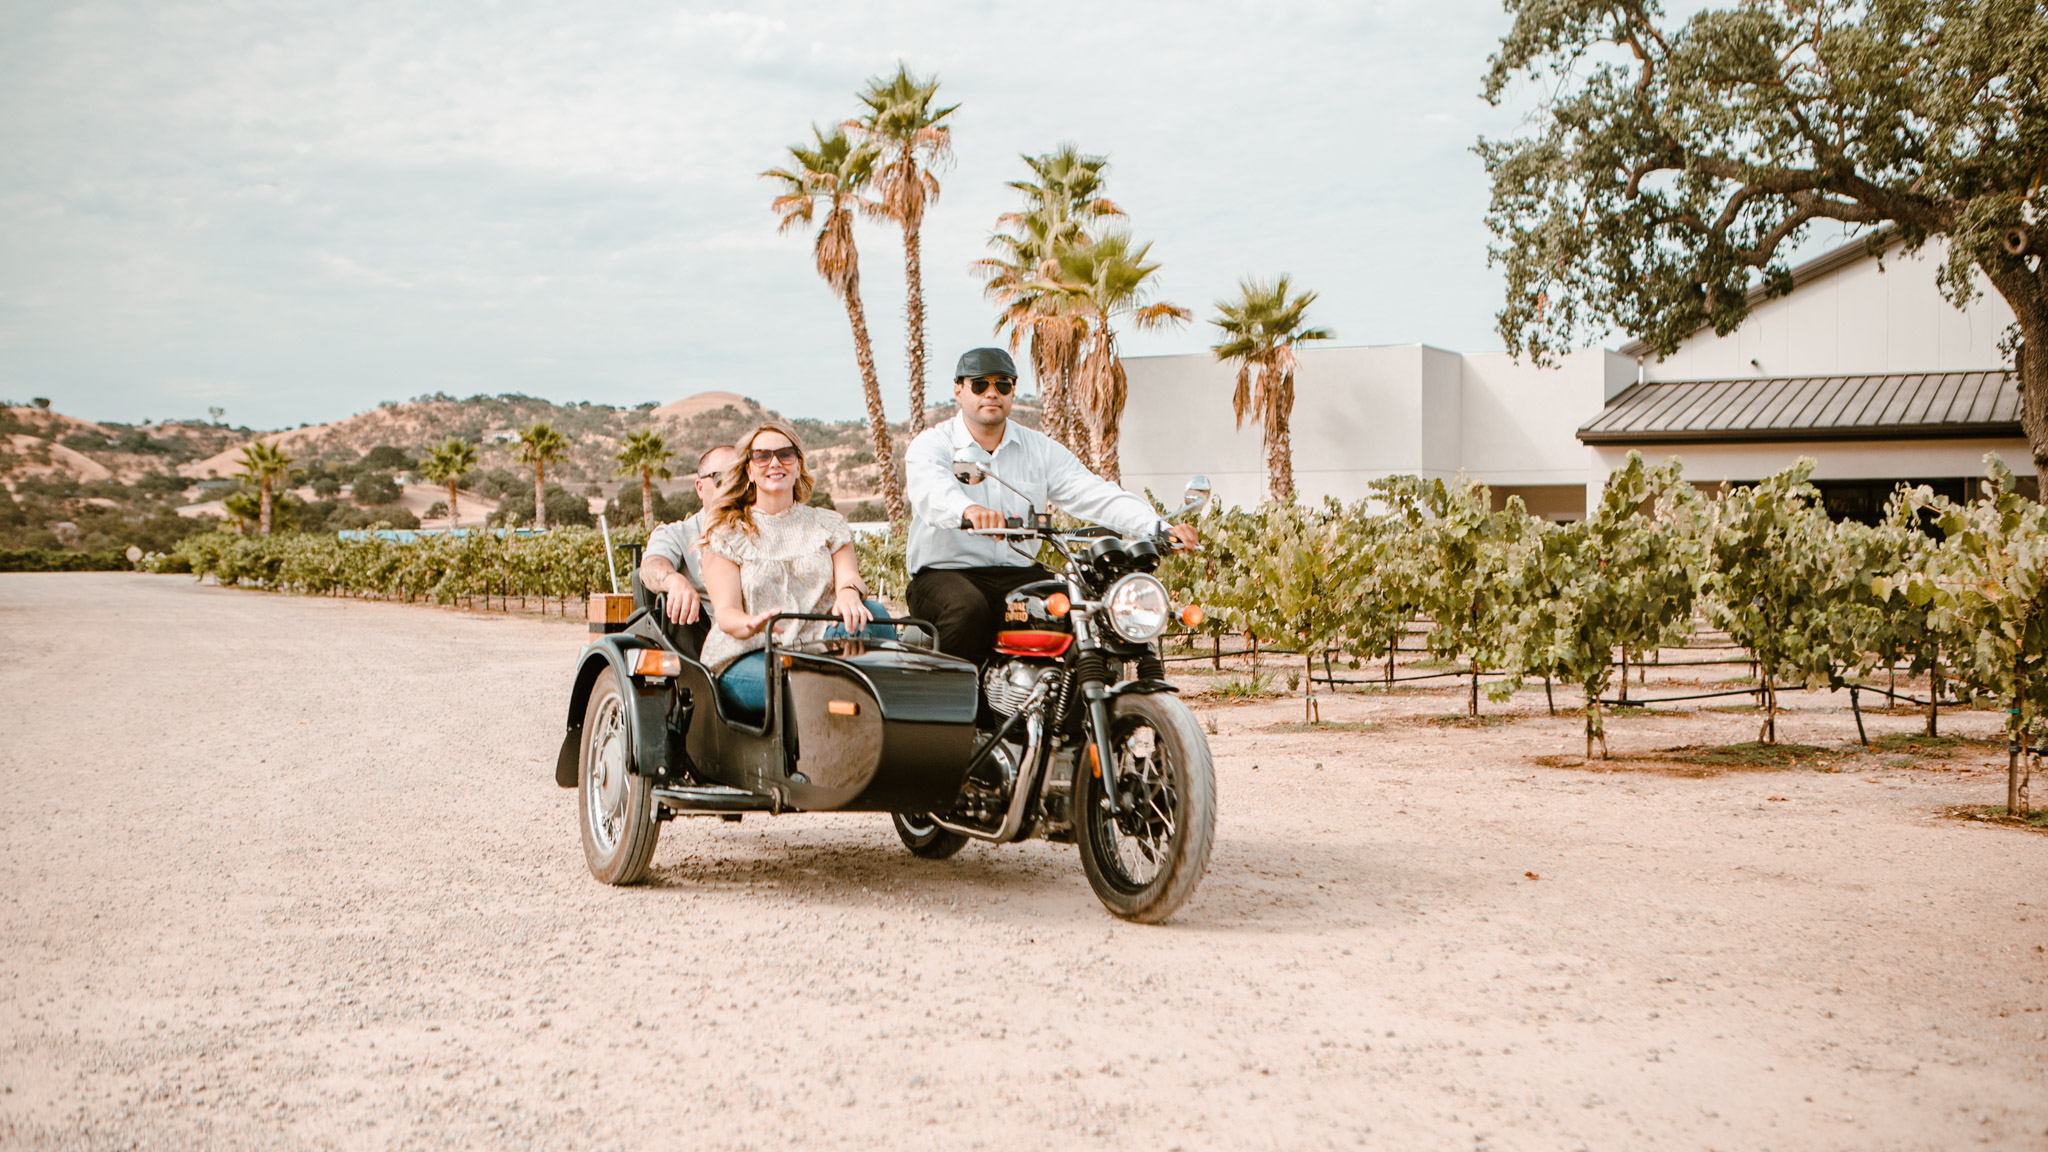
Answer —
743 686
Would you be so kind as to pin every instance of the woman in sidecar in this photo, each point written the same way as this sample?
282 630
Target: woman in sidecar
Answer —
800 700
766 552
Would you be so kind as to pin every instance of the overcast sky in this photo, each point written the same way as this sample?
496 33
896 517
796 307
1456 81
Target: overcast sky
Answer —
297 210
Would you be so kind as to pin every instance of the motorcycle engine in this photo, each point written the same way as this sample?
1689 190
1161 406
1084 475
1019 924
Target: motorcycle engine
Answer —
1007 686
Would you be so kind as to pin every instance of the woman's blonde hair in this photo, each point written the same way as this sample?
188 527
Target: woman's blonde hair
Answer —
734 504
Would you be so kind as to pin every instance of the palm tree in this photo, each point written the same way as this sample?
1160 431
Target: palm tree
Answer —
1065 197
1260 331
1109 281
539 445
831 177
448 464
911 140
646 453
265 465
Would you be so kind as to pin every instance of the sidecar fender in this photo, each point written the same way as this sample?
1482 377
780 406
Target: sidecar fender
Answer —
647 715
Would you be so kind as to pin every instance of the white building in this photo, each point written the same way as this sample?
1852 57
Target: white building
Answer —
1866 369
1364 413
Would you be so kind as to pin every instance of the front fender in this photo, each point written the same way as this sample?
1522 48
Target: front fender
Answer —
1141 688
647 711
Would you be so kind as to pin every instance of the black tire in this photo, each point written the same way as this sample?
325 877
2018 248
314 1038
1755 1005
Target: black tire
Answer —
1145 862
615 806
924 837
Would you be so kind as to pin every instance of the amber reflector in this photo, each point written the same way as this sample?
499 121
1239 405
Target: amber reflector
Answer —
655 662
1095 758
1192 616
1057 604
842 707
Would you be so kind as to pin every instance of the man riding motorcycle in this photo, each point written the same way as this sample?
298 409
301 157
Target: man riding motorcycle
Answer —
958 580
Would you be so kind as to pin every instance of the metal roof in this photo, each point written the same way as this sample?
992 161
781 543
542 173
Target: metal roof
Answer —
1908 406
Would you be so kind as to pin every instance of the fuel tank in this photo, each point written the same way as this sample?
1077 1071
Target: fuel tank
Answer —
1030 627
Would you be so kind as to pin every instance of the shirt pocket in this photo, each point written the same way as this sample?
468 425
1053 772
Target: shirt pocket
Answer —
1032 491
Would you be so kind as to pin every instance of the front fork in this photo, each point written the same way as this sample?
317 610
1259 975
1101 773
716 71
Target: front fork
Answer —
1097 698
1095 695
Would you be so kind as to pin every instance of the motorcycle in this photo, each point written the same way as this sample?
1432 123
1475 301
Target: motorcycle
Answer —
1050 738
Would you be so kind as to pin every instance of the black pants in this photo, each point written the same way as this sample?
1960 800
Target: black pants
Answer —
966 604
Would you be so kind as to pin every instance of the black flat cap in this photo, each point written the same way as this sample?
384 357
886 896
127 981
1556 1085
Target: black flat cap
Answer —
986 362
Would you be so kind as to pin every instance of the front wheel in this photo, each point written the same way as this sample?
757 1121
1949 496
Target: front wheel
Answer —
619 825
1145 861
923 836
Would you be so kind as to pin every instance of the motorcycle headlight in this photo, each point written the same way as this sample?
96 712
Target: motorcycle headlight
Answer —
1137 608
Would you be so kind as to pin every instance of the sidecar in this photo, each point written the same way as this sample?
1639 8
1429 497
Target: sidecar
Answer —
857 725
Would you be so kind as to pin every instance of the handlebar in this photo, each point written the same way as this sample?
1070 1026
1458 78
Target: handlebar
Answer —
1014 528
1010 523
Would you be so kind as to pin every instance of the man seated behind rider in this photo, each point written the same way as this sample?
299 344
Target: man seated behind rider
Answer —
671 564
959 581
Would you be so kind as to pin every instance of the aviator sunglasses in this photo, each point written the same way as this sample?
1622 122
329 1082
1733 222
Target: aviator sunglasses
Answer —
788 454
1002 384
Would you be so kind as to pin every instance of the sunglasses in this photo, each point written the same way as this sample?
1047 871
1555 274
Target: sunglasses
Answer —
1002 384
788 454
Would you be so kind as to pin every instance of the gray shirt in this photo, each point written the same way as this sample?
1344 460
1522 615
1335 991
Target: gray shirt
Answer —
1035 464
676 542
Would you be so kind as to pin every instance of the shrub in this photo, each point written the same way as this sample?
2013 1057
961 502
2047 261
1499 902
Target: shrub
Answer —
564 509
57 560
373 488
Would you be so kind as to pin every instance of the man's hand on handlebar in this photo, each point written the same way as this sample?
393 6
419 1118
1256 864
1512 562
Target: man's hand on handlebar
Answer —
978 517
1184 536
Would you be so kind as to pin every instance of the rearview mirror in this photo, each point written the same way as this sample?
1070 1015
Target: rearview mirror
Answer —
1197 497
968 472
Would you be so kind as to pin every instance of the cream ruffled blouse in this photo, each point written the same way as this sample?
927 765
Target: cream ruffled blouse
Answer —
785 566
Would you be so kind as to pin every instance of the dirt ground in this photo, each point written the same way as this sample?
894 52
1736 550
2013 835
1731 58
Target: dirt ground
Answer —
294 873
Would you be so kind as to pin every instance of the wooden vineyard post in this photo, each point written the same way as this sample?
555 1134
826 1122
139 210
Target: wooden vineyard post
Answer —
2015 720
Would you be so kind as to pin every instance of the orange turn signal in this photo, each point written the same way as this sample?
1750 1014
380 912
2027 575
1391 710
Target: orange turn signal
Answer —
1192 616
842 707
656 662
1057 605
1095 759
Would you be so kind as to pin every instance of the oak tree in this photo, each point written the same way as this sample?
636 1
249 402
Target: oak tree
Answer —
1672 167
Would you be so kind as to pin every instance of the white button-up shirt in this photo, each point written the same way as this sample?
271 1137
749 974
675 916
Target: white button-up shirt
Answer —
1041 470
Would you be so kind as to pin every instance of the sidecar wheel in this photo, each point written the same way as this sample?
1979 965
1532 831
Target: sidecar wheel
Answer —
619 828
1145 861
924 837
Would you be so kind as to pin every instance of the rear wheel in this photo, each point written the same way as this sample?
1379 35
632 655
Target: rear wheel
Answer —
1145 861
619 827
923 836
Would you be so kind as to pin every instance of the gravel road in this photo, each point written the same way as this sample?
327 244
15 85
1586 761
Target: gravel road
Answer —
294 873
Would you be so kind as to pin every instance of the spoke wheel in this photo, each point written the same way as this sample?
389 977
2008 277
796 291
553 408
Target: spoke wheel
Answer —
1145 861
923 836
617 807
